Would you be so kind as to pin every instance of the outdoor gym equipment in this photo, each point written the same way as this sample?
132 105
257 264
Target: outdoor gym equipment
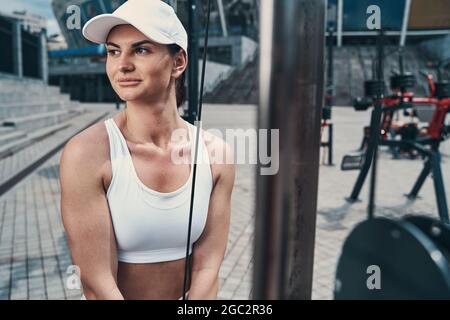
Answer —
405 258
395 259
400 83
427 145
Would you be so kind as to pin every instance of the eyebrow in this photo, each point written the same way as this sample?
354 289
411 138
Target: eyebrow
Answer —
134 45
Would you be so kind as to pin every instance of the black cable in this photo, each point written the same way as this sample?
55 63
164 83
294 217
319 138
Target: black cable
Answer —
198 126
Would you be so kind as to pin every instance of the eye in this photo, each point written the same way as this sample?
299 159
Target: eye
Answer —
141 50
113 52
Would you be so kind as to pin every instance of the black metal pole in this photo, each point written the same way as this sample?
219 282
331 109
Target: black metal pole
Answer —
373 177
374 138
376 132
420 180
330 74
439 189
330 144
291 83
197 121
374 119
330 93
193 61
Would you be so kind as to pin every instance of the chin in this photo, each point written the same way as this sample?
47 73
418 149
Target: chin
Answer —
128 96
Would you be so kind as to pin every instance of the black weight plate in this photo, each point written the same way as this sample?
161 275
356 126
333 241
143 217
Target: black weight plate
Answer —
373 88
411 266
436 230
405 81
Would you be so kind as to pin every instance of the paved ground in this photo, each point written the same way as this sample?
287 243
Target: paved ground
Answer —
33 247
336 218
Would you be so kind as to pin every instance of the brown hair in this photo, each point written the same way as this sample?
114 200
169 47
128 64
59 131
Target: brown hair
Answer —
180 88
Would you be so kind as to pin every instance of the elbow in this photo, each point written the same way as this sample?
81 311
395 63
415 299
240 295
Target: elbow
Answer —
101 290
205 285
102 295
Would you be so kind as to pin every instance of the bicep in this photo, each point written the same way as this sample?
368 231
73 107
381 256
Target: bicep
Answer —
86 218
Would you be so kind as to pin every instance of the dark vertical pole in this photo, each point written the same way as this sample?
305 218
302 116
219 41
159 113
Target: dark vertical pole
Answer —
43 56
420 180
400 62
330 65
193 61
17 48
376 129
330 93
197 122
439 71
330 144
439 189
292 41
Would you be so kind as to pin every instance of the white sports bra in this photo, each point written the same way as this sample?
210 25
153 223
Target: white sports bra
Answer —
151 226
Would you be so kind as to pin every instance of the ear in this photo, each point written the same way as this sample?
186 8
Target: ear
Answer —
180 64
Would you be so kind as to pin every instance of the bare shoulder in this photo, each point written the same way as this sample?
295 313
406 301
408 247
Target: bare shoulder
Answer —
88 149
221 156
215 143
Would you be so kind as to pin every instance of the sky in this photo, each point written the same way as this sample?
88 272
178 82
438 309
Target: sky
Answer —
40 7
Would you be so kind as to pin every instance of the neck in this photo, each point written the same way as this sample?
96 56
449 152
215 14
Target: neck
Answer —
152 123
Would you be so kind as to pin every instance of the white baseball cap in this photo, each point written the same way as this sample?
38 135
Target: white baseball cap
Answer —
154 18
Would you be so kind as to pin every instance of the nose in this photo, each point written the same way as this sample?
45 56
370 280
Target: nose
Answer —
125 64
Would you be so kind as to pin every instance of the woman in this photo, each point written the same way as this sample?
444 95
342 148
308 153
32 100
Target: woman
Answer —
124 200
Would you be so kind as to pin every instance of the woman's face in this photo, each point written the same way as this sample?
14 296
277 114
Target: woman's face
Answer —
138 68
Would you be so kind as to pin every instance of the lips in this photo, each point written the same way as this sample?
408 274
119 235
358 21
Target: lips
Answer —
128 82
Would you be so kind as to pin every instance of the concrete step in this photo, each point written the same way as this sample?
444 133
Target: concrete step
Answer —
21 97
11 78
41 120
23 109
11 136
44 145
18 144
28 90
21 81
4 130
24 97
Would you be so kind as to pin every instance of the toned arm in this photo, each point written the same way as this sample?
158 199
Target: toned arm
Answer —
209 249
86 219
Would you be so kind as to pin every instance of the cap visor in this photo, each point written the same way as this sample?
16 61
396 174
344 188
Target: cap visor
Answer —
98 28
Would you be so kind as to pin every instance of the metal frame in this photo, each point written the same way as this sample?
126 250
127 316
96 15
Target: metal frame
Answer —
291 100
223 20
191 113
340 14
405 22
